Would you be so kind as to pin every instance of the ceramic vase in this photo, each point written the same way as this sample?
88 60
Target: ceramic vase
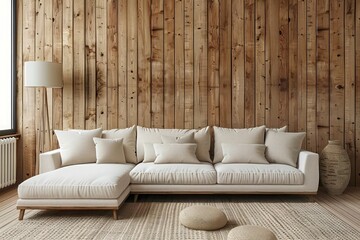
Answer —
335 168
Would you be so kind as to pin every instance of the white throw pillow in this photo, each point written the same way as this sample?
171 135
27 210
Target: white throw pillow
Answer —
175 153
283 147
77 146
153 135
129 141
149 152
109 150
244 153
234 135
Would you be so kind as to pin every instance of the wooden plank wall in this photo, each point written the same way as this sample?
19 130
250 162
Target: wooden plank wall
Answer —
193 63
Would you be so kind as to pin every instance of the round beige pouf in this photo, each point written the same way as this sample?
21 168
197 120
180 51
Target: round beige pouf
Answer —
248 232
202 218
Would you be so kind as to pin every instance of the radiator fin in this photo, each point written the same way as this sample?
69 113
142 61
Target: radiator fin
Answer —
7 162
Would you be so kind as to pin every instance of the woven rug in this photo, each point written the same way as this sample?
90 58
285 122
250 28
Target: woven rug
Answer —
156 217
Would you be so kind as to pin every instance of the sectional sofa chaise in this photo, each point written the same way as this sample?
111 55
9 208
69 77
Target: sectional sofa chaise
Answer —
95 169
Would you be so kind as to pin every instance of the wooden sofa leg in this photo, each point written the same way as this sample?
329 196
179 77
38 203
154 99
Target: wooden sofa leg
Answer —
115 214
136 196
21 214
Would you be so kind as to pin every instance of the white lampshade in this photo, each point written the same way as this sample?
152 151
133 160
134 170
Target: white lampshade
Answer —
43 74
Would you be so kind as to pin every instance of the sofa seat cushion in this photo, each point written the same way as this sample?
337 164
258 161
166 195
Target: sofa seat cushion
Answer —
184 173
258 174
82 181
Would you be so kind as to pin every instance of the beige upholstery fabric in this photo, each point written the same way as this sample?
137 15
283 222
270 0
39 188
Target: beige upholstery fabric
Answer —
188 138
201 217
175 153
234 135
109 150
149 152
78 182
283 147
77 146
257 174
248 232
151 173
243 153
129 141
153 135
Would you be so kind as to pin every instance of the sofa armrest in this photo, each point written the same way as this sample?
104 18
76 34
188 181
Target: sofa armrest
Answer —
50 161
309 165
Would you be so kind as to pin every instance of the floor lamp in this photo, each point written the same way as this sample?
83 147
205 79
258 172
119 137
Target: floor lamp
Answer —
43 75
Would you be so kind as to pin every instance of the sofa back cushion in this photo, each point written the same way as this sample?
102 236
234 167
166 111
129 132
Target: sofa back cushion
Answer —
109 150
154 135
77 146
244 153
175 153
283 148
129 141
234 135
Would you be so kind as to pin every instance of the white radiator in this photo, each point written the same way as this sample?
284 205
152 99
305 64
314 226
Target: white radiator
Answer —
7 162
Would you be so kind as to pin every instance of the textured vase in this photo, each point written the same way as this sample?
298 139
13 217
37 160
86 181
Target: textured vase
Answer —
335 168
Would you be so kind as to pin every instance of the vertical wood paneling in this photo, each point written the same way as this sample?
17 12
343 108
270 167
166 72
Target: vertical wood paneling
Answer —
200 63
169 64
213 63
238 64
112 64
157 54
144 68
350 83
190 63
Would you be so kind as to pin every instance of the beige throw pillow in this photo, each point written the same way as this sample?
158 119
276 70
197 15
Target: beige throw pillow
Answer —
109 150
175 153
153 135
77 146
188 138
244 153
129 141
234 135
283 148
149 152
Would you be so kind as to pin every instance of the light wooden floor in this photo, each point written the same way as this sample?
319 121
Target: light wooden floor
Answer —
345 206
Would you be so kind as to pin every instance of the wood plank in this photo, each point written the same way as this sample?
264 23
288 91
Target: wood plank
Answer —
350 85
311 127
79 64
179 65
101 64
157 50
213 63
28 54
322 74
249 85
337 70
19 90
90 65
68 50
144 67
169 64
112 64
122 69
132 63
260 80
57 113
189 61
225 63
357 96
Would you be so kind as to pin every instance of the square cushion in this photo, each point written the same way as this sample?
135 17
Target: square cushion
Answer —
109 150
153 135
244 153
151 173
77 146
129 141
258 174
83 181
283 148
175 153
234 135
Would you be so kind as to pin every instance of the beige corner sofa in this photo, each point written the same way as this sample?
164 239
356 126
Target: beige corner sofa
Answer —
246 161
